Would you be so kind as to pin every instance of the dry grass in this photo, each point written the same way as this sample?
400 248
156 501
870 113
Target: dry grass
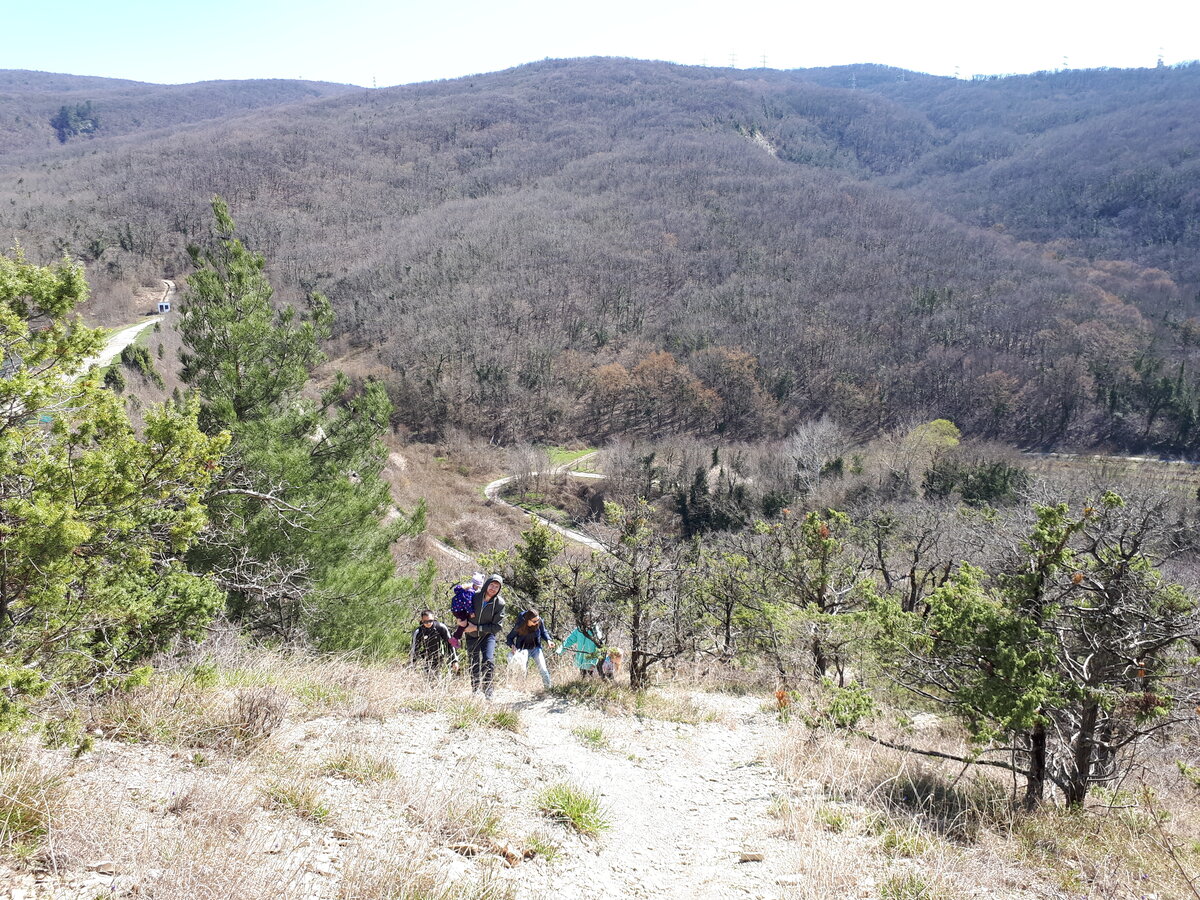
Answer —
360 766
227 696
207 837
618 700
475 533
224 805
964 826
240 798
395 872
450 477
178 714
32 796
438 806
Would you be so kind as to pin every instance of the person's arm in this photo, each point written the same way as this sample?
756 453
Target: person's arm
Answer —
512 637
444 634
497 624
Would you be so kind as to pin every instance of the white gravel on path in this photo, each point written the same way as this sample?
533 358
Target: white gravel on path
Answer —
685 802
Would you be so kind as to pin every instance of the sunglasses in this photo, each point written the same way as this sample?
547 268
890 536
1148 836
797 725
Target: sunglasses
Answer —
427 621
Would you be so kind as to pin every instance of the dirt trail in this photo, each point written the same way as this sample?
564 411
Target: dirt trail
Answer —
115 344
492 492
687 803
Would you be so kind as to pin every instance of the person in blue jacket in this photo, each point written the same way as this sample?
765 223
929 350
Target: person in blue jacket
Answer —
483 625
530 634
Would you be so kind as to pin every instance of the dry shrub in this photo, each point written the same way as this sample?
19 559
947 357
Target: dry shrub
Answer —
474 533
948 800
224 805
257 713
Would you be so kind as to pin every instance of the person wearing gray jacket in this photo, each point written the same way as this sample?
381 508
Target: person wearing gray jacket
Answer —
485 623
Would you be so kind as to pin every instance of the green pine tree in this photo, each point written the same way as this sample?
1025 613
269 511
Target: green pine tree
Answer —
302 519
94 517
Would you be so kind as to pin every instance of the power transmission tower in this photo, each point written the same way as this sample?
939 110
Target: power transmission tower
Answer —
764 60
733 60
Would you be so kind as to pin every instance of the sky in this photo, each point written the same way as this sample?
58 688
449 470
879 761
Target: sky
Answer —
387 42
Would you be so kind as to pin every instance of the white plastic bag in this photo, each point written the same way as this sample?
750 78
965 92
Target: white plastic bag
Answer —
517 661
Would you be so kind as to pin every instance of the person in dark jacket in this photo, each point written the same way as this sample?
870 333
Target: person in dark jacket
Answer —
485 623
530 634
431 646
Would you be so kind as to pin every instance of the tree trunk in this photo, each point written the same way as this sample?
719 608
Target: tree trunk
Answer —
639 671
1035 782
820 660
638 662
1079 778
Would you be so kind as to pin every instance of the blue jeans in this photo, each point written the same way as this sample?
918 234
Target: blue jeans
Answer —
539 657
481 651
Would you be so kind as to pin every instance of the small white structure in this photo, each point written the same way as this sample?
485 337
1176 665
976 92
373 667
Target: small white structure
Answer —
164 306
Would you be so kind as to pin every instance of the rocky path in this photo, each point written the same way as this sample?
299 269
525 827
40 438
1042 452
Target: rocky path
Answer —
689 804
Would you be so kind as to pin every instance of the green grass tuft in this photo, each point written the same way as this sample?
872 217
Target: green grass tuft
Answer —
29 799
361 767
574 808
469 714
593 737
301 799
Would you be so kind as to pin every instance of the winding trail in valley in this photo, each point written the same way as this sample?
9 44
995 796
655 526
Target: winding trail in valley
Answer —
492 492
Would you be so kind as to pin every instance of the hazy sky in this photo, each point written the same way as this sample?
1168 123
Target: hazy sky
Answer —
385 42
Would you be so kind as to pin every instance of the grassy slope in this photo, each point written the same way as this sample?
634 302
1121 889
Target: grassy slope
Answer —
255 775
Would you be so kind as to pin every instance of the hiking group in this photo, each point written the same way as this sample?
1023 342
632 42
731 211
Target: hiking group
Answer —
478 609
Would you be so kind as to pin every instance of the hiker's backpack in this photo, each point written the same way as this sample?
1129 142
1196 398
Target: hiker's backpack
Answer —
463 603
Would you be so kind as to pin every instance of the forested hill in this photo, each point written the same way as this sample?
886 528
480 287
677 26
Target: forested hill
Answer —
599 246
1104 159
41 110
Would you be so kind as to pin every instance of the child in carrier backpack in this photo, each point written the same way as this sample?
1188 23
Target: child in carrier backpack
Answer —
463 605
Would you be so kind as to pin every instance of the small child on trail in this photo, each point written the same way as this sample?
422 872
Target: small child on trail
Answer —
462 606
610 666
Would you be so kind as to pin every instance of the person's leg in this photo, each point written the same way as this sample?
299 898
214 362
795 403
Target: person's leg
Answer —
540 657
486 648
475 656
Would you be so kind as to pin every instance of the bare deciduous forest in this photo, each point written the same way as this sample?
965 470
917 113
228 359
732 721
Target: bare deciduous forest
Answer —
600 247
